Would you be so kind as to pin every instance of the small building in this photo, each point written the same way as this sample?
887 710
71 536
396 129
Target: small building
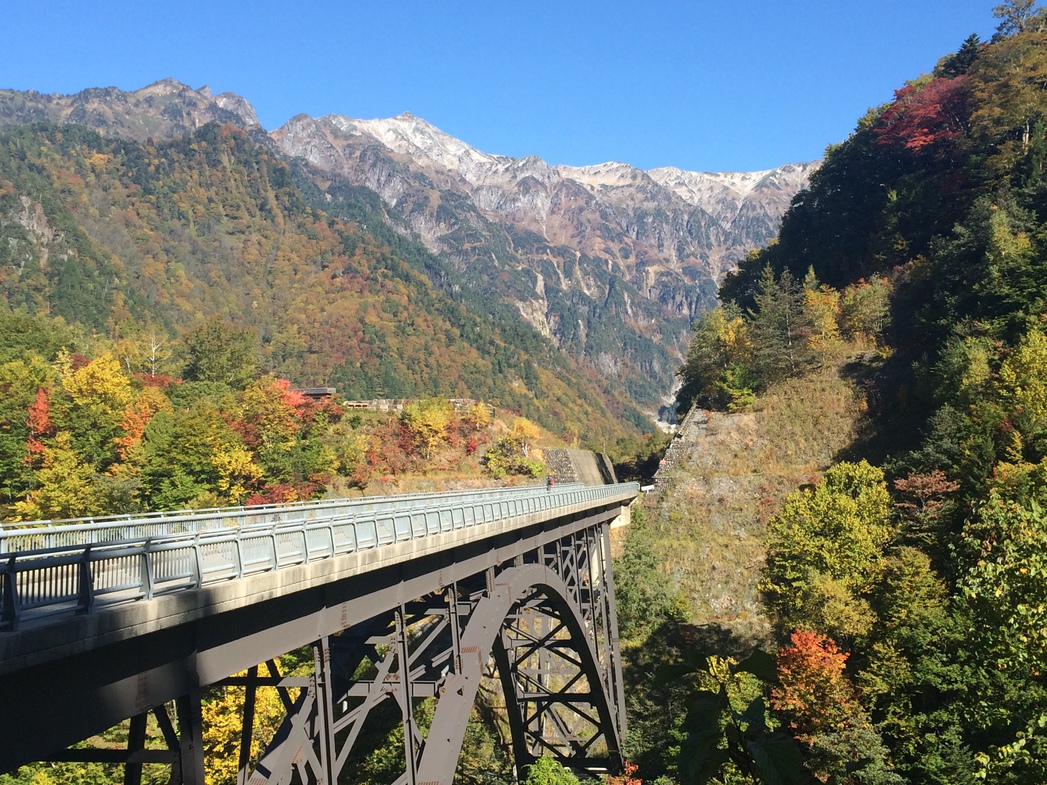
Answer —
317 393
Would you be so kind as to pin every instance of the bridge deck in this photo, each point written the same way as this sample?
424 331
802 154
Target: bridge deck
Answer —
134 621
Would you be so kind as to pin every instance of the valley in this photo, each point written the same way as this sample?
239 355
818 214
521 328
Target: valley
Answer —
606 262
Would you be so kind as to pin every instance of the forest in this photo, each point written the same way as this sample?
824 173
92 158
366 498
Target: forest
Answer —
128 242
81 435
906 584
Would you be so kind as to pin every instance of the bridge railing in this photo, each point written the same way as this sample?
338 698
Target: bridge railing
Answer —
133 559
38 535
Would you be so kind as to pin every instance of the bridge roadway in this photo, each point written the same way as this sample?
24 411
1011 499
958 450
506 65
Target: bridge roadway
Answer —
111 619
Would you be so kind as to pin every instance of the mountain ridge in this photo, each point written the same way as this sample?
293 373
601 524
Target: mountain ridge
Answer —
608 261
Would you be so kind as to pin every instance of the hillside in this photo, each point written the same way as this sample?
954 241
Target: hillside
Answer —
905 586
125 238
710 512
608 262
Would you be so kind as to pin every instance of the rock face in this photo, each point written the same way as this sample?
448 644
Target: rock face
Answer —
610 262
163 109
669 234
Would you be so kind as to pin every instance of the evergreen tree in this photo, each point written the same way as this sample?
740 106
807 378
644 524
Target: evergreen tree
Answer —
780 328
221 352
960 63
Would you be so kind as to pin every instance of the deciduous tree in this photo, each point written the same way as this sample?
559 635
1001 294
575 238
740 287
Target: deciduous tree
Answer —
827 544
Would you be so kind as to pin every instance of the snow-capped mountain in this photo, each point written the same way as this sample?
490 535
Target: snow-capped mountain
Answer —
609 261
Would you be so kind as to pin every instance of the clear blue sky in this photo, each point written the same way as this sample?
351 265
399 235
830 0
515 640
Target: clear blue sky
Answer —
709 86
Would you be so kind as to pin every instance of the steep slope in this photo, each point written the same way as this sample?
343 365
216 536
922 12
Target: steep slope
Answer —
110 233
608 261
731 472
925 577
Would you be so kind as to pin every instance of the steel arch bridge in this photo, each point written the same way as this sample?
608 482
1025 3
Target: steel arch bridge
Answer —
404 600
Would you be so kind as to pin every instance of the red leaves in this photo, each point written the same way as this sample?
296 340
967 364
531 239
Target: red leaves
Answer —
284 493
627 778
923 117
159 380
925 492
815 695
38 419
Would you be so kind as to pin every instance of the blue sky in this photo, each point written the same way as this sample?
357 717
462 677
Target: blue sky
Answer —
700 85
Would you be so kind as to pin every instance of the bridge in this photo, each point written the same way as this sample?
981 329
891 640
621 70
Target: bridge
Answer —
403 600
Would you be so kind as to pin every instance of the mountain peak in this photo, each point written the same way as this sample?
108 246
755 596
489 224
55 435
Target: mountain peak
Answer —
162 109
165 86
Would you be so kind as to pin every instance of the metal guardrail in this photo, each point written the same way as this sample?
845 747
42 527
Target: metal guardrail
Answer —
51 569
37 535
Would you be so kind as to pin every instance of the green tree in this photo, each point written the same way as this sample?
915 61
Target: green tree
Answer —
729 733
960 63
825 551
1007 98
505 457
1006 582
217 351
864 309
188 456
20 382
546 771
780 329
643 594
716 372
64 487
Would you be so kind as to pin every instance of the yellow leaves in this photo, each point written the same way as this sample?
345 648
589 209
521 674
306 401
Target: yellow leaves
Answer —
525 433
269 407
98 162
429 421
478 415
1005 245
734 335
236 469
864 310
223 719
65 486
1024 377
99 385
822 307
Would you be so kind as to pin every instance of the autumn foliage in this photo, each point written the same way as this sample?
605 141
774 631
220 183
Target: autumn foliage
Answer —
924 117
82 436
814 695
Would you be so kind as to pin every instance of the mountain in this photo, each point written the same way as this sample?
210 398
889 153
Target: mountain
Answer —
130 239
609 262
162 110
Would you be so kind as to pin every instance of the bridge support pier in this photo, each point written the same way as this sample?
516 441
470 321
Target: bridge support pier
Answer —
544 621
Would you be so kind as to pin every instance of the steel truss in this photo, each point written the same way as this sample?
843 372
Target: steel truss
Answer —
182 733
402 642
544 622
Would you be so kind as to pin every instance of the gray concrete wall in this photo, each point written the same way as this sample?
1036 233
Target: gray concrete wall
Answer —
584 466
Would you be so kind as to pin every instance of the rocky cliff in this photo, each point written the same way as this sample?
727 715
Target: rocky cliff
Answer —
608 261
